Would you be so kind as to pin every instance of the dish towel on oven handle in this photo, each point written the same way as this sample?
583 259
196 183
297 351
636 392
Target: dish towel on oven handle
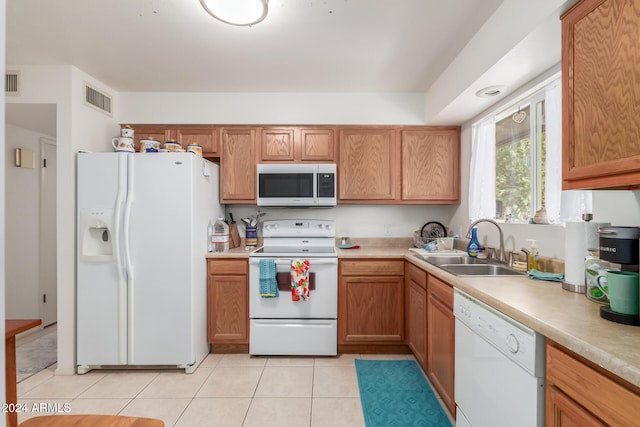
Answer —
300 280
268 282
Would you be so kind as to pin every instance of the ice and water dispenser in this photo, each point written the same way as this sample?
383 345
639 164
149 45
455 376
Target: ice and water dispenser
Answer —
96 234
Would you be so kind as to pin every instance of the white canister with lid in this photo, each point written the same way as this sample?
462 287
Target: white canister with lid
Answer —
195 149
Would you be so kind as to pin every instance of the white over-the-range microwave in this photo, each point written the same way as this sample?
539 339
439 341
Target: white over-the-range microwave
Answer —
299 184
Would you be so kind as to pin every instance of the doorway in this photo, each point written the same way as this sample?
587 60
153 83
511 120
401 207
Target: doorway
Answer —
48 250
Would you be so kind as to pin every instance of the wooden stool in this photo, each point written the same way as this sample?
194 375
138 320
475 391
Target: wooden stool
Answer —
91 421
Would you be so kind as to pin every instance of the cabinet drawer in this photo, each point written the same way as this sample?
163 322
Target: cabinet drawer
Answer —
227 266
611 402
416 274
441 291
372 268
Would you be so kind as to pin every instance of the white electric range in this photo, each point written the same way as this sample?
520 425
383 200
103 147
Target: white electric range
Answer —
281 326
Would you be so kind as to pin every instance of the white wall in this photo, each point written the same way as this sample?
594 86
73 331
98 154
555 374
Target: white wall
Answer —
78 127
271 108
22 237
357 220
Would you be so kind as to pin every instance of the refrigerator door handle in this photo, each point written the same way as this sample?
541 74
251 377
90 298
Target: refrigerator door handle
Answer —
120 200
128 263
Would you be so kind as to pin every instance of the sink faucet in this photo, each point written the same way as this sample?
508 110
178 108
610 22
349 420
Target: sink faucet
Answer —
503 256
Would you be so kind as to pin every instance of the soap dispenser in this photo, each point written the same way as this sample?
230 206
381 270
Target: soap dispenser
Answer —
532 262
474 244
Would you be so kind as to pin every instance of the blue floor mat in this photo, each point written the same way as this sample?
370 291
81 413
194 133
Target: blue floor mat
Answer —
395 393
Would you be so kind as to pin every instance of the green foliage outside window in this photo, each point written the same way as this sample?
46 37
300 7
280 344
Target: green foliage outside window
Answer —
513 182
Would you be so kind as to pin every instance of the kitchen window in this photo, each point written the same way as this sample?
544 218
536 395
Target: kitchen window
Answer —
515 171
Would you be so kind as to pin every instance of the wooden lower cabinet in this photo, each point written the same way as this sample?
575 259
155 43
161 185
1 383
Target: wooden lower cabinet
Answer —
441 339
371 302
416 312
228 305
578 393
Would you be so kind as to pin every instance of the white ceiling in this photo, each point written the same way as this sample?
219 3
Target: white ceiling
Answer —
302 45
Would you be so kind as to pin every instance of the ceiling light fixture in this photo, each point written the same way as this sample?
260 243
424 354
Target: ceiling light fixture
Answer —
237 12
490 91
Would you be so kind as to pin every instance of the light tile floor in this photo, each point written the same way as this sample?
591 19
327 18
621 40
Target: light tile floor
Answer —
225 390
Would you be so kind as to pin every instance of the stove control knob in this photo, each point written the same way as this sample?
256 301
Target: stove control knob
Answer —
320 226
267 227
328 226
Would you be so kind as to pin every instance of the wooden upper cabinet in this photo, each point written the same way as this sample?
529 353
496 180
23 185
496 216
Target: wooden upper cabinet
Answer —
238 165
277 145
160 133
293 144
317 145
431 165
601 95
205 136
369 168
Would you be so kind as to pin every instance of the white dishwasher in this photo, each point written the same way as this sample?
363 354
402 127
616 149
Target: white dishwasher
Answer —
499 368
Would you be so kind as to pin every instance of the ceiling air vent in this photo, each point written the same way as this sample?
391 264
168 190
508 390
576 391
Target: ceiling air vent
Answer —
12 83
97 99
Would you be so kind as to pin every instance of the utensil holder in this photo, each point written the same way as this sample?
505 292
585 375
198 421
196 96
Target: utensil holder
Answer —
251 236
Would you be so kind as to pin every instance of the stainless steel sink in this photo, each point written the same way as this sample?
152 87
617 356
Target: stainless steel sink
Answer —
446 260
467 266
480 270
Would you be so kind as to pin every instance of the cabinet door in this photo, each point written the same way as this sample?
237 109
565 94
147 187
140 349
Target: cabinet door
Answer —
596 390
440 339
238 166
228 314
562 411
205 136
160 133
415 280
369 166
317 145
277 145
417 321
601 112
371 310
431 165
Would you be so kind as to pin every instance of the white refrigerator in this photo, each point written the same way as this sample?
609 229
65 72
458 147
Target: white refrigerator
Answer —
141 269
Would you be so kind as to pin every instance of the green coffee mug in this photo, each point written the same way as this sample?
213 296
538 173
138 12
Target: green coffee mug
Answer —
622 291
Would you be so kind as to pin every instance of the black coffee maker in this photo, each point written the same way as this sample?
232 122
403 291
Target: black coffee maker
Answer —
620 245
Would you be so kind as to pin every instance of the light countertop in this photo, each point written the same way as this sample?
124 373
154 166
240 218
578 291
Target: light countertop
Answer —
567 318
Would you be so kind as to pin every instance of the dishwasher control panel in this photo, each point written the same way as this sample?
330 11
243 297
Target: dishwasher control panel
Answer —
518 342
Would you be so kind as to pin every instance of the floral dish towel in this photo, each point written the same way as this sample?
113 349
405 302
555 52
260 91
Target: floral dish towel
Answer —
300 280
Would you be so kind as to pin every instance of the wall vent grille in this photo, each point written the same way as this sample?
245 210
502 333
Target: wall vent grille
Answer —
12 83
97 99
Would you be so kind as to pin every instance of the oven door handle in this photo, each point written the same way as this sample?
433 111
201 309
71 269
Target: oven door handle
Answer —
280 261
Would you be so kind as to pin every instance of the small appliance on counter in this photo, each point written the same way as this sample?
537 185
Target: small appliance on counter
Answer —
620 245
429 232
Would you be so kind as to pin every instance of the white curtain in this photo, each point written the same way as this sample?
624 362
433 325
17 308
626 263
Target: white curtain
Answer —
553 123
482 177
